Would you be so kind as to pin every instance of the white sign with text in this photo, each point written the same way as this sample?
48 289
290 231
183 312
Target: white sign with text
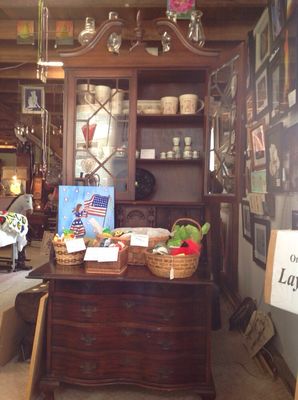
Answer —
281 281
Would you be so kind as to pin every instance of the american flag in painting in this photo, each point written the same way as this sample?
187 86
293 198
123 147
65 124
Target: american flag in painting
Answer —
97 205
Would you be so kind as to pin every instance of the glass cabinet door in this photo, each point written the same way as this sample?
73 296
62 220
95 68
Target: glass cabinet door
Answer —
102 133
223 129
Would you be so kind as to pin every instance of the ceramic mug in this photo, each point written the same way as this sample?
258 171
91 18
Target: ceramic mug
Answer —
162 155
169 105
170 154
190 104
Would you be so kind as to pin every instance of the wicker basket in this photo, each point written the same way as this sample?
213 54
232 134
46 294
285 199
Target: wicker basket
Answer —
136 254
65 258
167 266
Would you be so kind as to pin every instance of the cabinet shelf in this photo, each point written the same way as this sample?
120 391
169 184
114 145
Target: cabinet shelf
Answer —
169 161
171 118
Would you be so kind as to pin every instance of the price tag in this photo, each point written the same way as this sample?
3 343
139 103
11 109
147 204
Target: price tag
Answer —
75 245
139 240
107 254
91 254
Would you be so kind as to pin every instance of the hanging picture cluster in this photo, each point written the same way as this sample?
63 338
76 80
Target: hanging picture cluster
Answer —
271 147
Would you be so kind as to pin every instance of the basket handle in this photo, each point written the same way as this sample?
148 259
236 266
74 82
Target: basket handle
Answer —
189 220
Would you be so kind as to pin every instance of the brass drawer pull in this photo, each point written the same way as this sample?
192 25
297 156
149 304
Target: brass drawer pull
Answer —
167 315
165 344
87 339
88 310
88 366
127 331
128 304
165 373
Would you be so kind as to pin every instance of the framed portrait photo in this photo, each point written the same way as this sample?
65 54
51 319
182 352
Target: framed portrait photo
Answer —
274 157
246 221
262 40
261 93
33 99
258 149
260 237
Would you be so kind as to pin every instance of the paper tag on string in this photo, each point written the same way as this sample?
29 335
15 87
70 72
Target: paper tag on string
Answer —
172 273
74 245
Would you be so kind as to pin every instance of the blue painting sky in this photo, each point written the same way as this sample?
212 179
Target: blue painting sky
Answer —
70 196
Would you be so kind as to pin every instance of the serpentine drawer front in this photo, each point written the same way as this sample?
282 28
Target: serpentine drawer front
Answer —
134 329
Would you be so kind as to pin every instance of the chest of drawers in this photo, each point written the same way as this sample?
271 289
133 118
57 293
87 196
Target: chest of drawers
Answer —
134 329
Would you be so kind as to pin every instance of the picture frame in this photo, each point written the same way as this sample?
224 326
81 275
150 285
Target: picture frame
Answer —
261 93
261 34
276 87
246 221
33 99
277 12
260 237
289 43
258 149
292 136
274 158
182 8
258 181
25 32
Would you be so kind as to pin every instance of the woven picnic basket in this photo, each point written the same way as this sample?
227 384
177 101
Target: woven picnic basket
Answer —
65 258
179 266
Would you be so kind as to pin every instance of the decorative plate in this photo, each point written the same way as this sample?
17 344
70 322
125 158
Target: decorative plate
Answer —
145 184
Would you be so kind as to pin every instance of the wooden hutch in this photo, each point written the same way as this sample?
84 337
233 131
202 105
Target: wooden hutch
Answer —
139 329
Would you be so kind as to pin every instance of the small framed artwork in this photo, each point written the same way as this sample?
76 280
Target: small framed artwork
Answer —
250 66
181 8
275 87
258 182
274 158
25 32
277 9
64 33
260 235
262 40
33 99
258 150
261 93
246 221
290 63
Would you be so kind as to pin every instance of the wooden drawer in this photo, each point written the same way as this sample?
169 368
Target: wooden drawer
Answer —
146 339
163 290
129 309
85 367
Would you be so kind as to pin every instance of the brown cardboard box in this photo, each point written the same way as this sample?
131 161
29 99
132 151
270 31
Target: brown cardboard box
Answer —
12 330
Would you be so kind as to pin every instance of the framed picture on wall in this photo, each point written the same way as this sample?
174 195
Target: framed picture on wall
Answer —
274 138
262 40
275 87
258 150
33 99
261 93
249 109
292 134
246 221
289 95
277 9
260 238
